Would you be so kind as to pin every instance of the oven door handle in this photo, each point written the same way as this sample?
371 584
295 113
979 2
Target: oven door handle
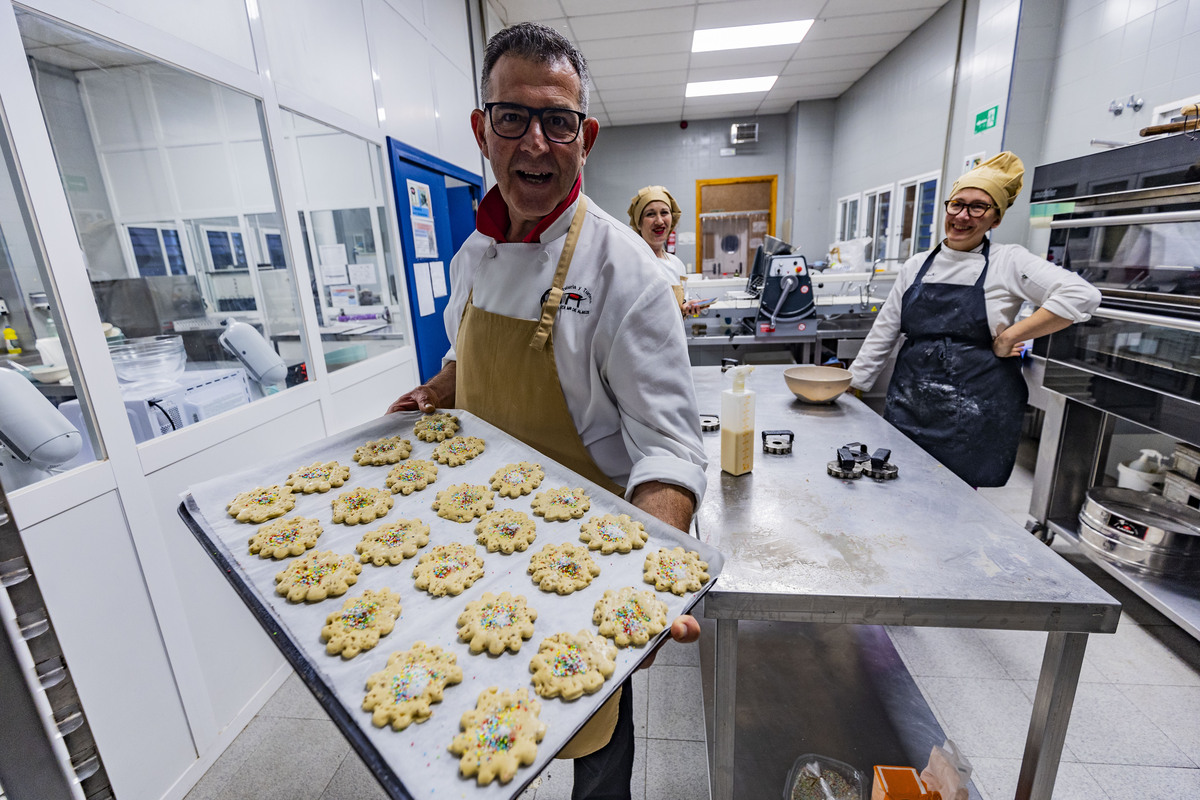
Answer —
1128 219
1148 319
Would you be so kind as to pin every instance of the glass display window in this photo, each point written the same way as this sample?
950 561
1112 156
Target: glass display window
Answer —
39 437
169 181
352 268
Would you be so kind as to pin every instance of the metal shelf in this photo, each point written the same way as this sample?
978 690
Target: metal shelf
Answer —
1177 600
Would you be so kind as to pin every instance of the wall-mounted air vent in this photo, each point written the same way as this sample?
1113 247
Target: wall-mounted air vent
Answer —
743 132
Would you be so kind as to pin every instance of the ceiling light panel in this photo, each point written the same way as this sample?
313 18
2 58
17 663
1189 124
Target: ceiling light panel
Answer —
731 86
753 12
743 36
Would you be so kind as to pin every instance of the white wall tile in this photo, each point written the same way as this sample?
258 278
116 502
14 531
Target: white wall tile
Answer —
319 48
221 27
405 79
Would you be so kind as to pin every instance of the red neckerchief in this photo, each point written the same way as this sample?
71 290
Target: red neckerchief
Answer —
492 219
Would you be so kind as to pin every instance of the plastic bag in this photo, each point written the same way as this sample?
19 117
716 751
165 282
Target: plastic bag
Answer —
948 772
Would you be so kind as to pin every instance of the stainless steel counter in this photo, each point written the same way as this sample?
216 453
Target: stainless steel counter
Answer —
924 549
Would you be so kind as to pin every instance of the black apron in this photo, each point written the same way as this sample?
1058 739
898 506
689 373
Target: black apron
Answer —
949 393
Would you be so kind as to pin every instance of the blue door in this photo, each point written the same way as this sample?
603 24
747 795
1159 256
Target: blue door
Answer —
435 219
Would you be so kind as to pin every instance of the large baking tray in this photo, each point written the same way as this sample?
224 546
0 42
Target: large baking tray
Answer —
415 762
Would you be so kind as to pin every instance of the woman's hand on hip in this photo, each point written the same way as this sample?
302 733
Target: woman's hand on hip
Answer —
1003 346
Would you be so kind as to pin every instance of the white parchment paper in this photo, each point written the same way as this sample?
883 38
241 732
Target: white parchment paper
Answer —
418 756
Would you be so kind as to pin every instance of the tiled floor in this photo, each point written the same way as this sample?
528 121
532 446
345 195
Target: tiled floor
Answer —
1134 734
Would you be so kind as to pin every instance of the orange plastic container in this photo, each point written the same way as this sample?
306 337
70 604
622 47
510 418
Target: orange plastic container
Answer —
900 783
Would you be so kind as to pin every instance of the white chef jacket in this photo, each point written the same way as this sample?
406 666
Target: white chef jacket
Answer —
1014 275
671 267
618 345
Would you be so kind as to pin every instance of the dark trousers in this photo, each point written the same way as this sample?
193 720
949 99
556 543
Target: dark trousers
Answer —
606 773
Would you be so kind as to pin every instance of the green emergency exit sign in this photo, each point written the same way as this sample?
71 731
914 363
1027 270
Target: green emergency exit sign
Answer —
986 119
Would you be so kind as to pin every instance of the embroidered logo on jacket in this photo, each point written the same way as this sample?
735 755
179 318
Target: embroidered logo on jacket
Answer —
577 299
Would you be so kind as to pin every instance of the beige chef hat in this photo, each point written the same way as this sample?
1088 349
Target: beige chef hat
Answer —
645 197
1000 176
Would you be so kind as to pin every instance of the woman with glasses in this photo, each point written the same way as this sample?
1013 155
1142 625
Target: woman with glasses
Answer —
653 213
957 388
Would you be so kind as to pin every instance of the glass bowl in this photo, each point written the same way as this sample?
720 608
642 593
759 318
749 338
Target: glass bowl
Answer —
148 358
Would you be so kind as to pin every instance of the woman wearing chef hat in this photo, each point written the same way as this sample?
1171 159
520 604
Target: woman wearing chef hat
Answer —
957 389
653 213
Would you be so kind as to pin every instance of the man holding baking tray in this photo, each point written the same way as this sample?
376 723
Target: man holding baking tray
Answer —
563 332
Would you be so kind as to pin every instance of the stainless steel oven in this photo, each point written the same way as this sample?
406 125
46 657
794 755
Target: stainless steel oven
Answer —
1127 220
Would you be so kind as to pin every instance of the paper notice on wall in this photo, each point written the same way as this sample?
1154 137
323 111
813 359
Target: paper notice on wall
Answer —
437 274
334 274
424 239
418 199
758 226
363 274
331 254
424 283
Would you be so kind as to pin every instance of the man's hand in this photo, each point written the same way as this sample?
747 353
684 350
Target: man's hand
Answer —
684 629
421 398
428 397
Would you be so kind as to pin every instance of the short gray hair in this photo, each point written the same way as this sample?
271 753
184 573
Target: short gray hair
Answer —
540 44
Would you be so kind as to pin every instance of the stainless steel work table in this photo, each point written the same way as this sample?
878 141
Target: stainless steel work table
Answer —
924 549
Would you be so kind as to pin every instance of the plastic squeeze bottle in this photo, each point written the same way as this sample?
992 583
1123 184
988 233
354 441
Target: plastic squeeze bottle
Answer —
737 424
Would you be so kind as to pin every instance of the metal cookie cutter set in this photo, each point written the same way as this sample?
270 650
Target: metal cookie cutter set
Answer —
853 462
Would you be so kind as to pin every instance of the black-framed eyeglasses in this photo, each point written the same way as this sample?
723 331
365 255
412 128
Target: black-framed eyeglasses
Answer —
975 210
511 120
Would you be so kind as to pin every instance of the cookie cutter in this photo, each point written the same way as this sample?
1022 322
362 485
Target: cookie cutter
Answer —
778 442
877 466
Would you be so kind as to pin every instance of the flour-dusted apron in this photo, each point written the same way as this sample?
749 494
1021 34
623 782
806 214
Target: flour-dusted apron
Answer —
506 374
950 393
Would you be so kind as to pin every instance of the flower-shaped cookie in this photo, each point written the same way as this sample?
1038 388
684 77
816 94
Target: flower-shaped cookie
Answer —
361 505
629 616
285 537
505 530
500 735
459 450
401 693
411 476
463 502
675 570
318 477
613 532
393 542
361 622
569 665
561 504
388 450
318 575
262 503
496 623
436 427
514 480
448 569
562 568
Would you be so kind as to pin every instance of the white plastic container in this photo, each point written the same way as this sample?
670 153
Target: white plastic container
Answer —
737 424
1143 473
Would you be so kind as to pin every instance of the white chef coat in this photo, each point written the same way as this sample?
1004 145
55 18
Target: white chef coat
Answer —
1014 275
618 344
671 267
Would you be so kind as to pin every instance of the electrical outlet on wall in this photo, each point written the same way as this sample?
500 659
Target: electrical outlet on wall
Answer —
3 306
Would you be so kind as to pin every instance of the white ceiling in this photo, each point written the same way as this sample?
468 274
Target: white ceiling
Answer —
639 51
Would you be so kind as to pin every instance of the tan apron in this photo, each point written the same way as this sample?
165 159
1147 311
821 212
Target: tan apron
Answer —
506 374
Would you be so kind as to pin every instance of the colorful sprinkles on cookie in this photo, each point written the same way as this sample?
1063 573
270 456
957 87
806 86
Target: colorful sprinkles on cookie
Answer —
568 665
676 570
448 569
415 678
285 537
561 504
496 623
562 568
499 736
